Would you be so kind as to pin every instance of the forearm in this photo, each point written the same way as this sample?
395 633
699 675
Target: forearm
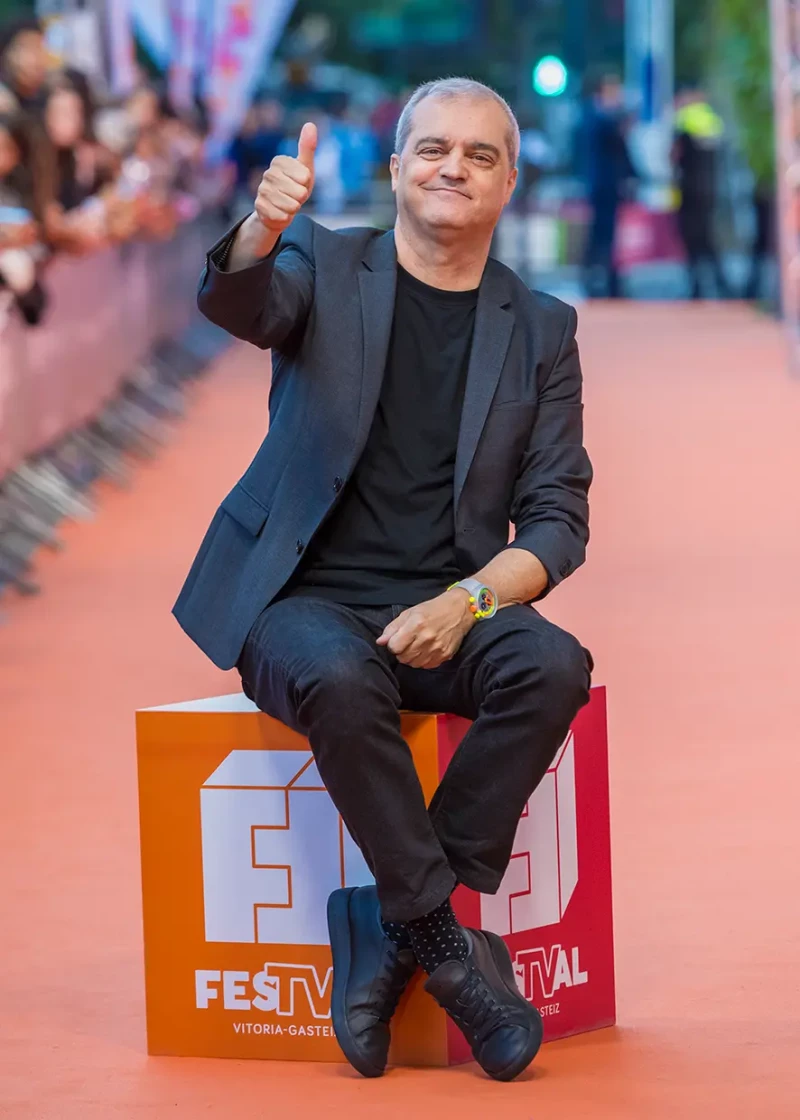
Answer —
252 243
515 576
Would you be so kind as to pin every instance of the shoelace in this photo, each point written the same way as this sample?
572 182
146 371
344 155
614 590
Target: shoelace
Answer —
391 984
478 1010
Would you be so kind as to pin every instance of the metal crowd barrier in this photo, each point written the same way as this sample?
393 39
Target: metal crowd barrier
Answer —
97 382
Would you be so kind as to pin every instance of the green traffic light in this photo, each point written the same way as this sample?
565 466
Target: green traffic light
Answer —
550 76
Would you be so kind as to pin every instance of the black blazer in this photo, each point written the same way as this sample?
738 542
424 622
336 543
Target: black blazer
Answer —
323 302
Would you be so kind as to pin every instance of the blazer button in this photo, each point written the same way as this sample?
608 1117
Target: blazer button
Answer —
337 484
299 547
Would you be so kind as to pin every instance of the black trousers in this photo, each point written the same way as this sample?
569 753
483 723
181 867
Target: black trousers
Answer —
314 665
696 223
599 252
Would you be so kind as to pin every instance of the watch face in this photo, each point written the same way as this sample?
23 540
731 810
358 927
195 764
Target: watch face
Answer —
486 601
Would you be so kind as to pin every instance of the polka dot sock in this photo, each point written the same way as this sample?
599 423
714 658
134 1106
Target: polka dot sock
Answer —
438 937
398 932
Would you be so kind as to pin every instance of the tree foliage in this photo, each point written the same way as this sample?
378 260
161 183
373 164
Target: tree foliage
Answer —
743 52
726 43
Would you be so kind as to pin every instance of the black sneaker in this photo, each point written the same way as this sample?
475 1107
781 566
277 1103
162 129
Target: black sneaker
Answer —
370 974
481 996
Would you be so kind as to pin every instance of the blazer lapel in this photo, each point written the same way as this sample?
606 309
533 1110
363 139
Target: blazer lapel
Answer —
377 284
493 327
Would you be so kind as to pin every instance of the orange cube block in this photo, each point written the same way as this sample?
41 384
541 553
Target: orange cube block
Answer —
241 847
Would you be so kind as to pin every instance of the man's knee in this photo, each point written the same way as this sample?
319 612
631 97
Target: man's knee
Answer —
558 664
567 671
345 687
341 674
301 673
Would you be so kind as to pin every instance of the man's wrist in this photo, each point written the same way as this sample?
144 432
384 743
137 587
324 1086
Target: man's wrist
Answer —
252 244
464 598
481 598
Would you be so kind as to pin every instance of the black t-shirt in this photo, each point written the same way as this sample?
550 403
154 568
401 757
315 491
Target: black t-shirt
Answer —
390 537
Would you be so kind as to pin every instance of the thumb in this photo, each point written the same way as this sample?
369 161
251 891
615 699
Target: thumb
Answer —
307 145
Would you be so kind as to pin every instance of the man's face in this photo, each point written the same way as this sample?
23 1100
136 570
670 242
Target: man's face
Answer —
454 172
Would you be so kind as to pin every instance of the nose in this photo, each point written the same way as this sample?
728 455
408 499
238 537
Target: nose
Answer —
453 166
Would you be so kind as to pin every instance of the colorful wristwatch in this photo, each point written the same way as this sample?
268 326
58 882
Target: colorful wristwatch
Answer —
482 600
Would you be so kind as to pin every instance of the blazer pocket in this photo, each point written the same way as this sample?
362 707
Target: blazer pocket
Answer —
519 405
246 510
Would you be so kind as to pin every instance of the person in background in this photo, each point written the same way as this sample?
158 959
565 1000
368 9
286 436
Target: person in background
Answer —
272 129
359 151
76 218
536 156
609 172
182 144
383 123
24 66
697 145
257 143
149 170
24 71
21 244
762 248
84 166
240 160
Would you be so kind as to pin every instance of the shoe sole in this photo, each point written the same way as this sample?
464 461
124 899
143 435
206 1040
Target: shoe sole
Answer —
506 969
339 931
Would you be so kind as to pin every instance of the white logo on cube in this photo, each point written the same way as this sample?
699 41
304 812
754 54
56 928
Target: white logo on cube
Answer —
543 871
274 848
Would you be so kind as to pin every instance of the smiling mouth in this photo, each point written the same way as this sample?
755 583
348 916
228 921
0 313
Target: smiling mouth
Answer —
446 190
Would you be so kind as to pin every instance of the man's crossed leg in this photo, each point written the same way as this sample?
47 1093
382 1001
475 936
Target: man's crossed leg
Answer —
315 665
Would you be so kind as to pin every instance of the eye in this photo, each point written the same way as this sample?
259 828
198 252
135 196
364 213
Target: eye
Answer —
430 152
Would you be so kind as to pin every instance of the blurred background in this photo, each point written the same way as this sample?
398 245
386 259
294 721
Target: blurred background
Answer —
647 156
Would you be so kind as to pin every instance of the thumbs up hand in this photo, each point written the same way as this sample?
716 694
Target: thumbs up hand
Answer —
287 183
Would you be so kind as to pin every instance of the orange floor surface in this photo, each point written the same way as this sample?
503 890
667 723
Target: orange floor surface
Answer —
689 602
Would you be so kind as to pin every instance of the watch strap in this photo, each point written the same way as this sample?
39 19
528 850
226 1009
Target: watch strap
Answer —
482 600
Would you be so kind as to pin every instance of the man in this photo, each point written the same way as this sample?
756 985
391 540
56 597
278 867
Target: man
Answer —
696 150
421 397
609 171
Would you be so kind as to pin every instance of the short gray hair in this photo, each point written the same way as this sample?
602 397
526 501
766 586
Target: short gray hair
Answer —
457 87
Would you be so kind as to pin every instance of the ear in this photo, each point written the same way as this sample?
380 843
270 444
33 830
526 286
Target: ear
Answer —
512 182
394 169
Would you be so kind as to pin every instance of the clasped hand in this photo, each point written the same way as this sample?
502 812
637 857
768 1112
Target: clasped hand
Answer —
429 634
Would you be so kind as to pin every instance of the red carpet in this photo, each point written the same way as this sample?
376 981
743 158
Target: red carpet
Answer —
689 603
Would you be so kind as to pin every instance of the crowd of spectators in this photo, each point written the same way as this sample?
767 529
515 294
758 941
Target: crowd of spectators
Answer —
78 173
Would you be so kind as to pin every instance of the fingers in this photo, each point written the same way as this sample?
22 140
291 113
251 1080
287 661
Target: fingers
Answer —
390 631
417 658
410 642
277 210
290 168
276 181
284 187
